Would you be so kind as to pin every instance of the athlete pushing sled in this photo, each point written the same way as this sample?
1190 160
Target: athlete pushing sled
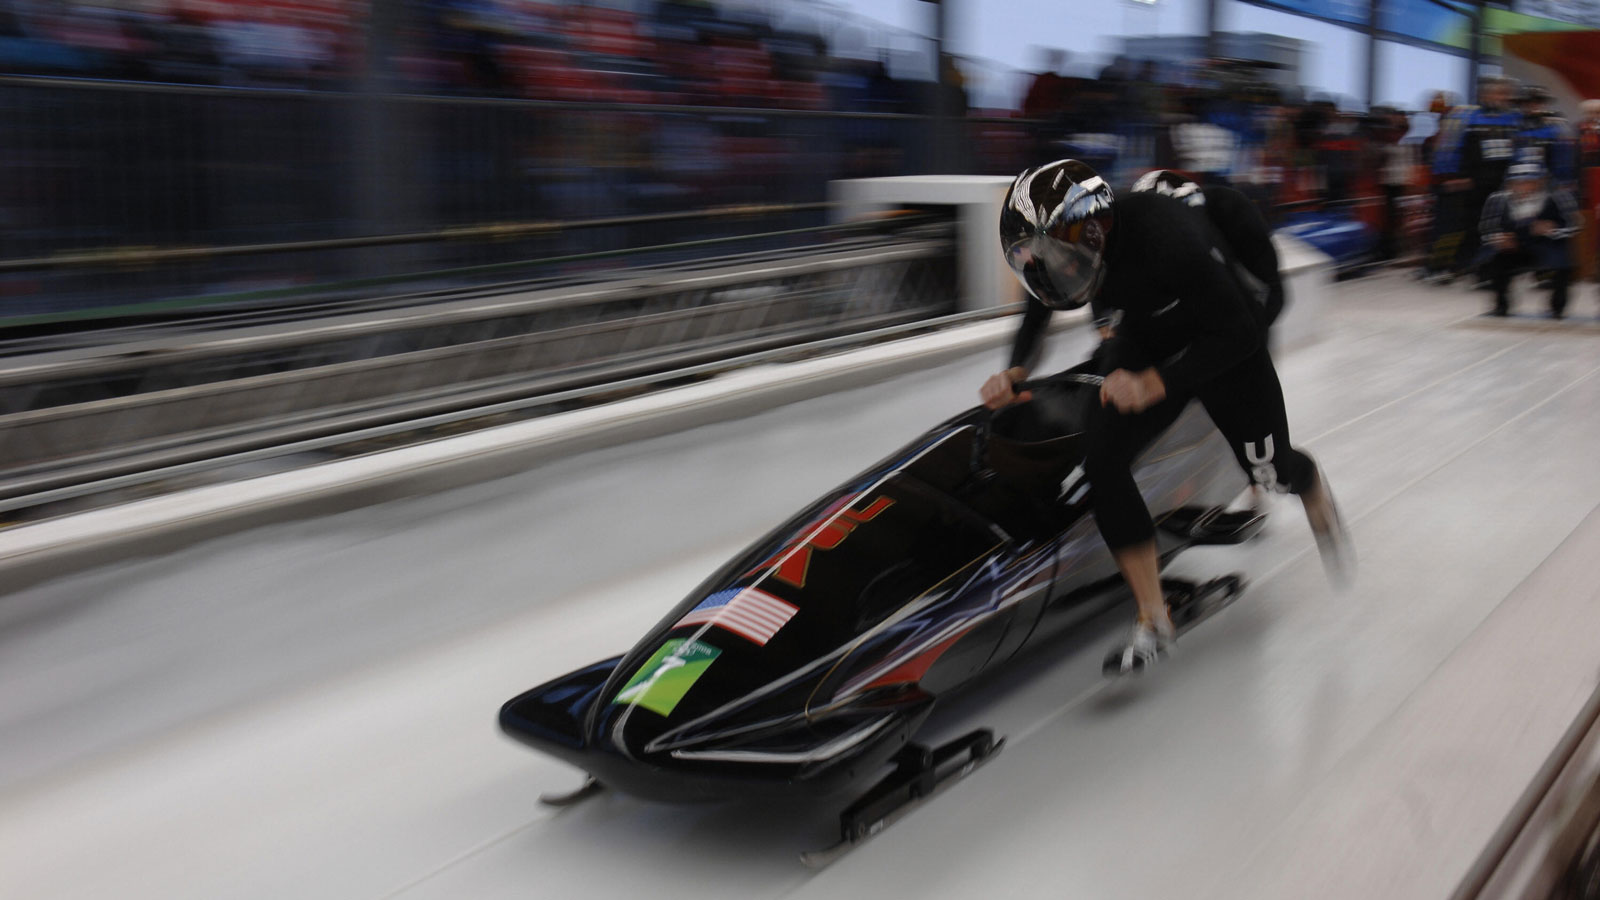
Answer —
1187 281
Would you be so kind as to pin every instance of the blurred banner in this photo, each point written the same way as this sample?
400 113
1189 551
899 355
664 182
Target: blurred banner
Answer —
1581 12
1352 12
1424 20
1442 23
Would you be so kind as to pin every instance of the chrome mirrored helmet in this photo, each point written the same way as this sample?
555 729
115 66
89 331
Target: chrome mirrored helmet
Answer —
1053 228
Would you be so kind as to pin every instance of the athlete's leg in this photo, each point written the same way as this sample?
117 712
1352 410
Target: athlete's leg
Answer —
1246 403
1112 441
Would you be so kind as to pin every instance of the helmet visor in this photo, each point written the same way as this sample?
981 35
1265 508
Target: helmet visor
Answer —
1060 275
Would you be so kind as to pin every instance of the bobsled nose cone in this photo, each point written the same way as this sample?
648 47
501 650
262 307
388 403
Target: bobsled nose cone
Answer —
552 716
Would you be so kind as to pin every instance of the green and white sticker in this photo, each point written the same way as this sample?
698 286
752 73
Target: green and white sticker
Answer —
663 680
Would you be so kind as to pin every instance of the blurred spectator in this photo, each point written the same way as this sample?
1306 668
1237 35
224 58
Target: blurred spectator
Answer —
1549 136
1341 152
467 35
872 147
1589 185
1202 147
1396 162
1046 103
1143 95
1526 225
1046 94
1275 178
190 51
1476 145
1589 152
1437 255
952 87
1438 107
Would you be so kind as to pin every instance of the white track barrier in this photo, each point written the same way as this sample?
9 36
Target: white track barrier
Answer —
31 552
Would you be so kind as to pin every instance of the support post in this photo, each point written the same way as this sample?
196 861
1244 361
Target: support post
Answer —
1372 52
376 143
1474 52
1211 28
948 131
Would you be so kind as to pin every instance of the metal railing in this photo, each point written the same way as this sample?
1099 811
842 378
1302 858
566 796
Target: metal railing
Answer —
122 257
232 394
146 192
358 435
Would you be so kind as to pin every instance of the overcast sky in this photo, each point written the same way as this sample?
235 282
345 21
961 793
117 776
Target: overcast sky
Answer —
1011 31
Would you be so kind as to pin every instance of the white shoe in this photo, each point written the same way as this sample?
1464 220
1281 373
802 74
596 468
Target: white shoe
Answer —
1146 644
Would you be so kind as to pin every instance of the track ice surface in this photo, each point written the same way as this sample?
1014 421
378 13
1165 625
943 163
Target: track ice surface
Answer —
307 710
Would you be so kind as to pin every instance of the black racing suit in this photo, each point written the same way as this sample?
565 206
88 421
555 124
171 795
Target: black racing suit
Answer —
1186 304
1488 147
1254 259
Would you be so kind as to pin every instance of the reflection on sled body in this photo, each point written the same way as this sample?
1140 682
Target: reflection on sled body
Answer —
809 660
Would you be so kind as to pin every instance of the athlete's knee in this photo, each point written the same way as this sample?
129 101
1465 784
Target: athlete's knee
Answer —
1276 466
1110 475
1299 472
1123 524
1260 459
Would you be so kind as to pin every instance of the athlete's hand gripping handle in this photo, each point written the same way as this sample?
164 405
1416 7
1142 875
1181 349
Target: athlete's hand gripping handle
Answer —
1132 392
1005 388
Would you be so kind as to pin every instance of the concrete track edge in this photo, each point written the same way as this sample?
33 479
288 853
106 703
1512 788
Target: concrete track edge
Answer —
1414 807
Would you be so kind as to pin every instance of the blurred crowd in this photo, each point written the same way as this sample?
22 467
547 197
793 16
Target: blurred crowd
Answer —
1514 187
679 52
1231 121
1393 183
1480 192
1223 120
286 42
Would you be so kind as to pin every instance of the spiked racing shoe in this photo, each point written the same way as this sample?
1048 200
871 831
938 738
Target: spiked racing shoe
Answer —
1144 646
1188 605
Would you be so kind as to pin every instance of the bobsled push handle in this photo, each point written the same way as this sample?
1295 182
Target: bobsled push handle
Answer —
985 425
1062 378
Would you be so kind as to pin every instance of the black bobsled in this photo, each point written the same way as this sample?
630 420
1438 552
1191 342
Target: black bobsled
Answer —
808 662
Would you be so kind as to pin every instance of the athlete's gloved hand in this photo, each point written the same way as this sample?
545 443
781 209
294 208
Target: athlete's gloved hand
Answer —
1132 392
997 393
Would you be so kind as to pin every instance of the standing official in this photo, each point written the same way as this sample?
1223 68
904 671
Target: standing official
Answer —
1477 144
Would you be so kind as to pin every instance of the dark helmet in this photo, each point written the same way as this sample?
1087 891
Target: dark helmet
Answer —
1528 165
1536 94
1173 184
1053 229
1524 171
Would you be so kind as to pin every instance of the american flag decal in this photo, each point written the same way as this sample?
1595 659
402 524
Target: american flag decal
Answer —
752 614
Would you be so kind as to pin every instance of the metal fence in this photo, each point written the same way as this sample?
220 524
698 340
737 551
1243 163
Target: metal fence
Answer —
116 414
95 165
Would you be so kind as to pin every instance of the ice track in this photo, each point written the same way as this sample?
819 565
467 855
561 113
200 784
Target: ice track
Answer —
308 710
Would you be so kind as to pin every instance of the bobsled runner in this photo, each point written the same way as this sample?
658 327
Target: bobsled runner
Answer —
809 661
